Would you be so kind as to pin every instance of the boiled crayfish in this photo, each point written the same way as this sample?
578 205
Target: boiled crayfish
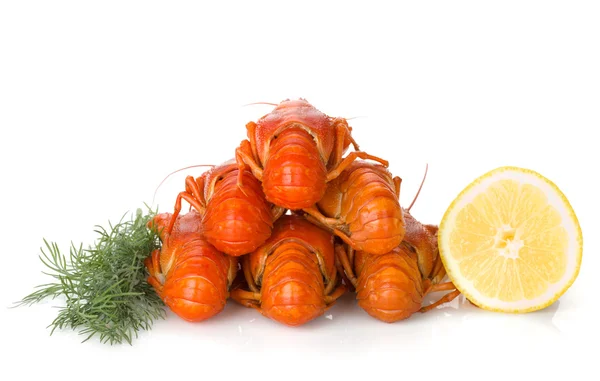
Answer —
347 229
188 273
236 221
292 277
392 286
362 207
294 151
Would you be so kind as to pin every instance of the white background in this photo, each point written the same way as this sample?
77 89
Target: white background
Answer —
100 101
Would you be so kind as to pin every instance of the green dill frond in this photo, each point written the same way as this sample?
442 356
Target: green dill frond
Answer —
105 285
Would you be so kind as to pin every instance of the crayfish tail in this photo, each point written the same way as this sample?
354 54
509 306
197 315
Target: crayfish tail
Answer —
197 288
389 286
371 208
189 274
293 287
294 175
236 222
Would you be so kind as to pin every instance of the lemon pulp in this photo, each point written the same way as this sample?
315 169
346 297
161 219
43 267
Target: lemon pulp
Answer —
511 241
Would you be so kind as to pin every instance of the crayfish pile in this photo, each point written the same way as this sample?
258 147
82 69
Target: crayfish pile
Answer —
290 224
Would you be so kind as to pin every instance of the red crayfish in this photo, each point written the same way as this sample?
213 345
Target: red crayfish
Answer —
294 151
292 277
236 221
188 273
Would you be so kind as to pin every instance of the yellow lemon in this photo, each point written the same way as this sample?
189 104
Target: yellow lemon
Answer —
511 242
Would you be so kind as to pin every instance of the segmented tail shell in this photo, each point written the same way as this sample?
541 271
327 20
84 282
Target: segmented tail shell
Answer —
364 198
236 221
389 286
292 285
294 174
189 274
293 269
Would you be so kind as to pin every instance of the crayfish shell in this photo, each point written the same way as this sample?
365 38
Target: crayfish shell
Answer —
389 286
236 221
189 274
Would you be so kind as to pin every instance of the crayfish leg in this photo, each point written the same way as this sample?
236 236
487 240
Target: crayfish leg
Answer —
439 271
352 156
244 157
192 186
342 256
156 278
251 133
340 270
342 133
316 217
321 219
248 274
246 298
330 299
191 200
397 182
444 299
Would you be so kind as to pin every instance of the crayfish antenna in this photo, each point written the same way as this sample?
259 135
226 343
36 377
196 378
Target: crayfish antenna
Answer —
420 187
260 103
356 117
179 170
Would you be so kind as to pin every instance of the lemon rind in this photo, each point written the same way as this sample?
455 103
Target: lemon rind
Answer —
500 306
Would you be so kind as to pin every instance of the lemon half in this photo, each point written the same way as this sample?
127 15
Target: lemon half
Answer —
511 241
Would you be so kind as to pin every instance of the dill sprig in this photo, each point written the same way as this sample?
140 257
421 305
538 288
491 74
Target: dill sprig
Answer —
105 285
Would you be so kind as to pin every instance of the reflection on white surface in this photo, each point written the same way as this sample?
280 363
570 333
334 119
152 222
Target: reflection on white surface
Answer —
346 327
456 341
